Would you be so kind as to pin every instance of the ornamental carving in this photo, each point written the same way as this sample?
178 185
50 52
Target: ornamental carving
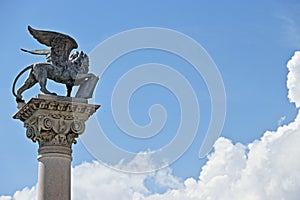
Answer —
49 130
55 121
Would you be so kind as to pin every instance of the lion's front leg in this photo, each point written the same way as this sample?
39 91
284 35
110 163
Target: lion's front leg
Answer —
69 90
43 82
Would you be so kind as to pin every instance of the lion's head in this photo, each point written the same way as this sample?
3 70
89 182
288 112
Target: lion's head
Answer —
80 61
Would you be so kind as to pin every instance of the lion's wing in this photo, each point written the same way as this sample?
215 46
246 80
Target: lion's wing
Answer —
61 44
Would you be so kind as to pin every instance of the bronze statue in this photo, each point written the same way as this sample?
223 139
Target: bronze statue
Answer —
60 66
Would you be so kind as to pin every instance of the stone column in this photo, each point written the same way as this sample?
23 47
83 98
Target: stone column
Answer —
55 122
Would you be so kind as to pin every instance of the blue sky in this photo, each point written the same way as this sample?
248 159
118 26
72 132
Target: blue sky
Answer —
250 43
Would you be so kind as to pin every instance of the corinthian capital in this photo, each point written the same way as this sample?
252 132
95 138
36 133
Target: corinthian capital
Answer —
52 120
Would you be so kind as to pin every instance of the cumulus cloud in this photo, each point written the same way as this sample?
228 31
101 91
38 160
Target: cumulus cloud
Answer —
5 197
94 180
266 169
293 81
24 194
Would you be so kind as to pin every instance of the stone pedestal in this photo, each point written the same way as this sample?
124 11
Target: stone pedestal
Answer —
55 122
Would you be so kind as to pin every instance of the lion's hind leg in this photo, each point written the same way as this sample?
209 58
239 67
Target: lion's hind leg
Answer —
30 81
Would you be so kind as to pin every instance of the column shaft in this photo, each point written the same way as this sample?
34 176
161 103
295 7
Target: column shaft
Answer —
54 175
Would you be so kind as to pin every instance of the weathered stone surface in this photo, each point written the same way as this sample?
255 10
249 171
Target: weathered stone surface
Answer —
54 177
54 120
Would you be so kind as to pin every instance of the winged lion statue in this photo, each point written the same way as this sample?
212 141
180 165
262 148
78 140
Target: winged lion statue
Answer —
61 66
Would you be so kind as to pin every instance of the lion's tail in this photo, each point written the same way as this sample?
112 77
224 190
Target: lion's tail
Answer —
17 77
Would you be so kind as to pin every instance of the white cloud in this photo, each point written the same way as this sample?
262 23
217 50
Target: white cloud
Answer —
24 194
269 171
142 162
94 180
5 197
293 82
266 169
